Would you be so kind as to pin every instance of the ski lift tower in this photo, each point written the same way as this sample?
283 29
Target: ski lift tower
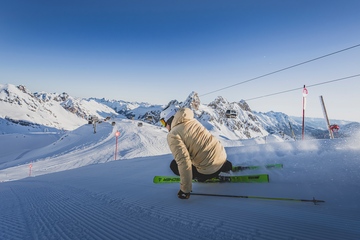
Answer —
95 119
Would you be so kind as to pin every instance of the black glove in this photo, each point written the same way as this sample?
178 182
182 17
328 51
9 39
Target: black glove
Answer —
183 195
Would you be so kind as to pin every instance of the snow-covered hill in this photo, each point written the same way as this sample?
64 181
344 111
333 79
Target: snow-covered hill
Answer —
147 140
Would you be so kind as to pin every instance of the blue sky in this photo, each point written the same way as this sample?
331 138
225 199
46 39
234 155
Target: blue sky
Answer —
157 51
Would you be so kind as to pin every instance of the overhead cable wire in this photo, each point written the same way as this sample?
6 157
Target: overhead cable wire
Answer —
307 86
283 69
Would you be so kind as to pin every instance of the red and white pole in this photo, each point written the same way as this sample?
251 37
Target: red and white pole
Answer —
117 134
305 93
30 167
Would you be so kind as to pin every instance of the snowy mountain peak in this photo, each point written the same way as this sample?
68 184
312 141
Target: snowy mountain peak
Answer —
192 101
235 118
16 95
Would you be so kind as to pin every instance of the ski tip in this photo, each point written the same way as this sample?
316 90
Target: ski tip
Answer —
155 179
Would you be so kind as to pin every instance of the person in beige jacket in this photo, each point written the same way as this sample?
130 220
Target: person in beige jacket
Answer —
197 153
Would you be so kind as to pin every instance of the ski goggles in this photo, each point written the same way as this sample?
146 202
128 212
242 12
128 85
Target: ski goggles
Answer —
162 121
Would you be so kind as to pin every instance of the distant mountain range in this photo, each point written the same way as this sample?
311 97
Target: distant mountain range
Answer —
22 110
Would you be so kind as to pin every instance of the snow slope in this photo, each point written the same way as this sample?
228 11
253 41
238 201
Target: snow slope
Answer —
70 195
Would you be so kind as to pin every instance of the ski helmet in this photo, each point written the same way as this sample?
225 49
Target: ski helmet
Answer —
168 112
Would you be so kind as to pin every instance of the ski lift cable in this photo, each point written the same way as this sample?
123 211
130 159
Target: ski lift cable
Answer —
307 86
283 69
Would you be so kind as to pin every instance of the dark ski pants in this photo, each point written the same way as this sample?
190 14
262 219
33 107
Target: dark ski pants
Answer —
227 166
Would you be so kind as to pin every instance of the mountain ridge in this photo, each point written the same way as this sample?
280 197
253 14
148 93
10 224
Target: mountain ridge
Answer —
41 111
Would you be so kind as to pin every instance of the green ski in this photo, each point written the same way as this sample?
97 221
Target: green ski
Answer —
257 178
268 166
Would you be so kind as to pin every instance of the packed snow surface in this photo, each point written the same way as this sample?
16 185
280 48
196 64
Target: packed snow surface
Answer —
69 186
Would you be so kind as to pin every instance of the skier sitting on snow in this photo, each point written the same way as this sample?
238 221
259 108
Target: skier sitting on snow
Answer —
198 154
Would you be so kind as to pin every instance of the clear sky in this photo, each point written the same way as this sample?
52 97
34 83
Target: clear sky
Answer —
157 51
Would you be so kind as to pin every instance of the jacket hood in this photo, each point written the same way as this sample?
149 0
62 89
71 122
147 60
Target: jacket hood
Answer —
183 115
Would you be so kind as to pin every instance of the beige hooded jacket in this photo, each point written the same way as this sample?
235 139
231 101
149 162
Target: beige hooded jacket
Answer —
192 144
